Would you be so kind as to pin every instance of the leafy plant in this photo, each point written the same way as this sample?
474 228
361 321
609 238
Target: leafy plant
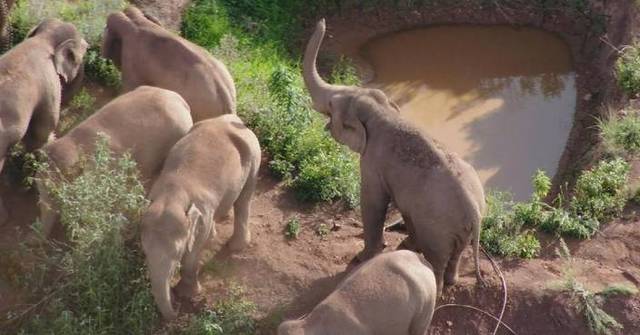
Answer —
600 193
80 107
101 70
322 230
230 316
621 136
292 229
628 70
102 286
502 234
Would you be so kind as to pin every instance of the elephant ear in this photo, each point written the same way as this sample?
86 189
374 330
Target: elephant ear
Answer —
67 58
194 215
346 124
35 30
383 100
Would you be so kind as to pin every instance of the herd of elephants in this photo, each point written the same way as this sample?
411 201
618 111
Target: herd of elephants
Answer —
176 116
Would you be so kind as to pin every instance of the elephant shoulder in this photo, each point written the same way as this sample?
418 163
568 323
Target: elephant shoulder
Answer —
175 46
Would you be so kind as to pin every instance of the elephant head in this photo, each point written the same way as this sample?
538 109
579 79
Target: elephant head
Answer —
349 107
120 25
68 47
167 234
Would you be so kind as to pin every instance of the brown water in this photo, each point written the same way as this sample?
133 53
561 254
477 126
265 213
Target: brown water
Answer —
503 98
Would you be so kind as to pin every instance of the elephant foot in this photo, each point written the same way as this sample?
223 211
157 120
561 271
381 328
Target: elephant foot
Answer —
367 254
238 242
187 289
169 314
450 279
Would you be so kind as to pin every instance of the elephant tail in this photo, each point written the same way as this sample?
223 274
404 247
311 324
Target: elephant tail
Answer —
475 234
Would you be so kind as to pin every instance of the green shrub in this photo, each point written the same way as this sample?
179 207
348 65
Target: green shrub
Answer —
231 316
101 70
104 289
80 107
344 73
600 193
205 22
503 235
292 229
621 136
628 70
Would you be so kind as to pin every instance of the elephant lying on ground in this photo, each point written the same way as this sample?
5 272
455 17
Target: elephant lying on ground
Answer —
438 194
394 293
207 172
148 54
147 122
32 77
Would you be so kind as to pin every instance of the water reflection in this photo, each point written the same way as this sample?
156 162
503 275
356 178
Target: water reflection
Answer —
501 97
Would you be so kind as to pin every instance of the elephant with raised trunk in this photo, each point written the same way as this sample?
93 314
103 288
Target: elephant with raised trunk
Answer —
212 169
33 80
146 122
392 294
148 54
438 194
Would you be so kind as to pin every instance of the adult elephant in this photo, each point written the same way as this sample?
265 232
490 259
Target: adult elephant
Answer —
148 54
439 195
146 122
33 76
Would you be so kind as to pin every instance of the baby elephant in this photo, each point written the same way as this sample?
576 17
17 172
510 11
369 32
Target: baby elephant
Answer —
147 122
214 167
392 294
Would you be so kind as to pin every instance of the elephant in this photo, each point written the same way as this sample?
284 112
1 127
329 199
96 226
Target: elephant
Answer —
211 169
393 293
148 54
146 122
439 195
33 76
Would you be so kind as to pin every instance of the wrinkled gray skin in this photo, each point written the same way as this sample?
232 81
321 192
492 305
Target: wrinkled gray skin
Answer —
207 172
394 293
148 54
439 195
146 122
32 76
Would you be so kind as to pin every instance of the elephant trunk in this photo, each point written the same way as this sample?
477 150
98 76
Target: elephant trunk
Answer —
319 90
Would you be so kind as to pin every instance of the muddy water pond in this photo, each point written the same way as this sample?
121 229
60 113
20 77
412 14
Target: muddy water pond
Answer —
501 97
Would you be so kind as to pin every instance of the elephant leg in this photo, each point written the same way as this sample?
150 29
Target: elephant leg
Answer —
374 202
241 208
42 127
161 265
437 252
189 286
451 271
